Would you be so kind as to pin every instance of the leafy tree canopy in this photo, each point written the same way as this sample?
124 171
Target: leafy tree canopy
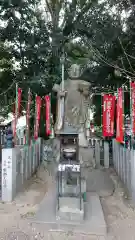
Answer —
97 35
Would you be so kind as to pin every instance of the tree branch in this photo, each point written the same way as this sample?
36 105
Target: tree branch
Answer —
49 7
71 23
125 54
103 59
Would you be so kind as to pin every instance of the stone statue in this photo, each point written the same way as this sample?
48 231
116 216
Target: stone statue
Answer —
72 105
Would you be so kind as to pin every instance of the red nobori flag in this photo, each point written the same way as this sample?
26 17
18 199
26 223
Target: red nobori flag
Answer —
17 108
19 101
48 114
133 106
28 117
120 118
108 115
37 116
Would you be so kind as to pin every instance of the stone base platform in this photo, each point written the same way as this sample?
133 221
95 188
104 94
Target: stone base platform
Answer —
69 209
94 222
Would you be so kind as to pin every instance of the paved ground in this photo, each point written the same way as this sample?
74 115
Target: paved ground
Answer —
15 217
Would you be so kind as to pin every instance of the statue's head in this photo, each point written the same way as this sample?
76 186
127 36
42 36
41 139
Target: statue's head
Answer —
74 72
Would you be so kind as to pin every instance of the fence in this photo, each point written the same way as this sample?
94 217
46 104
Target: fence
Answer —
30 159
124 164
101 152
18 165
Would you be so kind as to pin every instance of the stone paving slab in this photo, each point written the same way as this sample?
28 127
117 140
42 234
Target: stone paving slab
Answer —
99 181
94 222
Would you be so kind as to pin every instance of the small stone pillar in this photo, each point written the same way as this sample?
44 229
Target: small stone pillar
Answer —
97 154
106 154
9 163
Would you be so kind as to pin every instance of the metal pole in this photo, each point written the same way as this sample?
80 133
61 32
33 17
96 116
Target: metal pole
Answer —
62 83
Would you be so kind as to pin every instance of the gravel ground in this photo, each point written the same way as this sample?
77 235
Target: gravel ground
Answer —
119 215
14 223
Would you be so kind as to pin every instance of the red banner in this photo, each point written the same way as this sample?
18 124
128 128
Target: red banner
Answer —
19 101
120 119
28 117
108 115
17 109
133 107
37 116
48 114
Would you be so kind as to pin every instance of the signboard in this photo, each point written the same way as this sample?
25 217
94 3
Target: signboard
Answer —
108 115
72 167
120 118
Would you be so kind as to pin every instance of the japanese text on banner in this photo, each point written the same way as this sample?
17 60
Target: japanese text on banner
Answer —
37 120
48 124
133 106
120 119
108 115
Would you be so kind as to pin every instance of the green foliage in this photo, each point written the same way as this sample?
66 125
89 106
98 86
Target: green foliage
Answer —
87 31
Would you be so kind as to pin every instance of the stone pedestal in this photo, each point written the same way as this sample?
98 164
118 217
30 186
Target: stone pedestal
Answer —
69 209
